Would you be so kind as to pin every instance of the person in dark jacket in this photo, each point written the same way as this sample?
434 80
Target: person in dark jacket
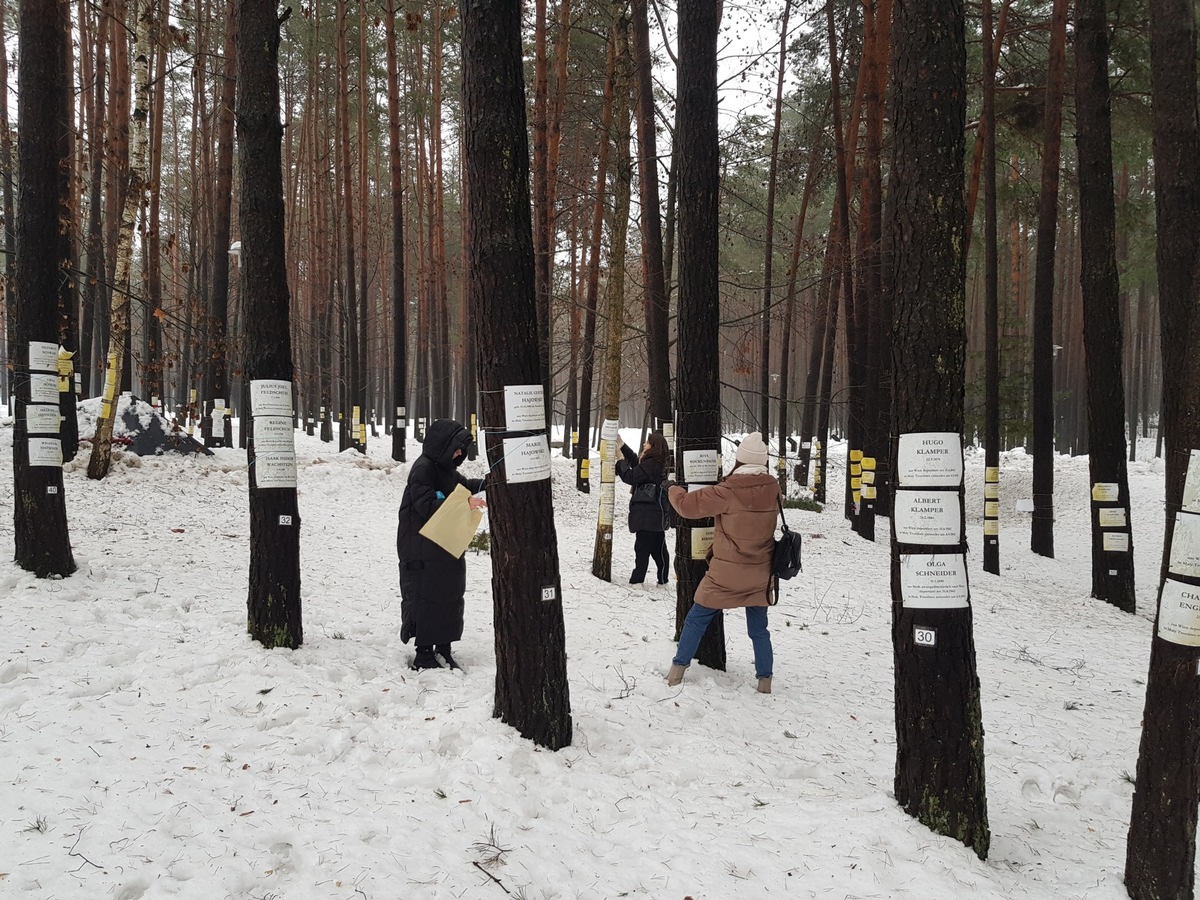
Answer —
649 511
432 582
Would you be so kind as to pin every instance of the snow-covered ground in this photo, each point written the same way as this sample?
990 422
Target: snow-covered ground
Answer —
149 749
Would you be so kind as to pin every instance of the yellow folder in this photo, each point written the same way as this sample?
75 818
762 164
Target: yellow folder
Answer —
454 523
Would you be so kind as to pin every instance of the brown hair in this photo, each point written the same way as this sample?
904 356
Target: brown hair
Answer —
658 448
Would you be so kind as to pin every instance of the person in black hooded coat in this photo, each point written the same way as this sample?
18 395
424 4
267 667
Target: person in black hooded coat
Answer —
432 582
649 511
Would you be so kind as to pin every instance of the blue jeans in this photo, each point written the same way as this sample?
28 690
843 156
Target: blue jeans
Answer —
696 624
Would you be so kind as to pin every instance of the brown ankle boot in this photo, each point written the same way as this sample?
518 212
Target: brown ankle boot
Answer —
764 685
675 675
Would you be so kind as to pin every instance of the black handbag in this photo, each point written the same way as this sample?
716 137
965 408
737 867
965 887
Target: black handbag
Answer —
785 558
645 493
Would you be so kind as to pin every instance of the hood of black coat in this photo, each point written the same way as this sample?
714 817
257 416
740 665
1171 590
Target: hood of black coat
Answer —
442 438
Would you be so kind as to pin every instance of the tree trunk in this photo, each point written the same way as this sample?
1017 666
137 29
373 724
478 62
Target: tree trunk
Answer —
1042 526
153 369
582 482
939 730
68 283
699 392
614 295
531 666
135 190
816 357
877 17
653 276
399 298
854 449
764 381
785 352
10 224
541 197
273 602
353 390
43 544
1161 853
217 386
1112 542
991 287
821 440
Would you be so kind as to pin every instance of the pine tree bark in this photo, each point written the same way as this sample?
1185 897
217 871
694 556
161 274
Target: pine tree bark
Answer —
846 271
273 602
1042 525
352 390
653 275
1161 853
216 380
614 305
877 17
399 299
68 283
9 163
583 448
764 381
1112 568
135 190
153 368
991 287
698 387
531 668
939 730
541 193
43 544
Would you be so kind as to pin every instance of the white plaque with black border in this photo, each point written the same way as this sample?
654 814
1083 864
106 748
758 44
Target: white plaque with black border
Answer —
269 397
933 458
933 580
928 517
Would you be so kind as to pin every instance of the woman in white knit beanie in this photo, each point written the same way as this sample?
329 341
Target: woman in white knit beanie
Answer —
744 507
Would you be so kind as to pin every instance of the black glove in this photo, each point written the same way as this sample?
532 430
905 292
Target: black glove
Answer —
666 484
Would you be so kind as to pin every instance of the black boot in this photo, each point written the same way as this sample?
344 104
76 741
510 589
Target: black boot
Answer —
443 650
425 659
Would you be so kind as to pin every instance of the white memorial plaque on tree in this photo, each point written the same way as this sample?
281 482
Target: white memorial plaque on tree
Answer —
42 419
1185 546
526 459
43 389
273 434
928 517
608 430
524 407
43 356
1191 484
274 470
1179 613
933 580
1116 542
45 452
932 458
700 466
607 501
1112 517
270 398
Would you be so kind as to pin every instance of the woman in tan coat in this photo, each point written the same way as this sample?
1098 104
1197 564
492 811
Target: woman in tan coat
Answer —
745 506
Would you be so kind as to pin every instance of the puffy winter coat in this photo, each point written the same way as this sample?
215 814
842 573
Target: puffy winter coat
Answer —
432 582
649 509
745 507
